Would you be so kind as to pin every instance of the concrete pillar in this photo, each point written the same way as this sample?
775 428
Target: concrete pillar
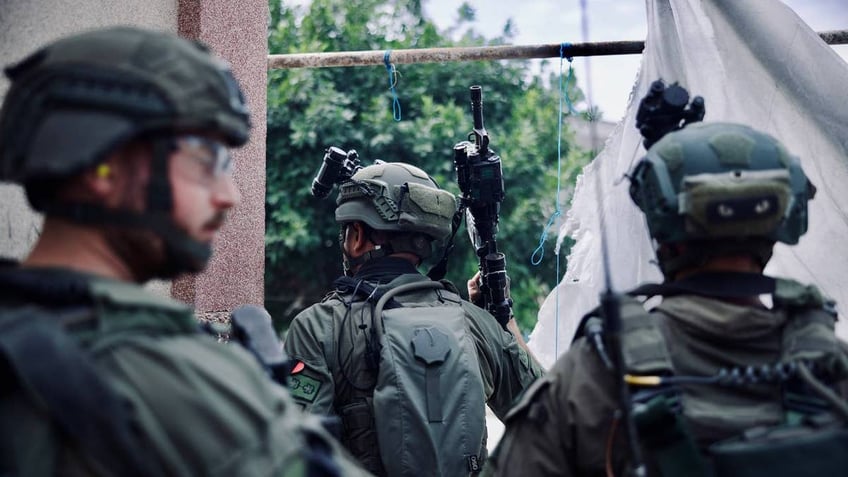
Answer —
237 31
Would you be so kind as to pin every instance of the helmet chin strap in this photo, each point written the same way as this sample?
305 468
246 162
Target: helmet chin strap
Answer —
350 263
415 243
183 254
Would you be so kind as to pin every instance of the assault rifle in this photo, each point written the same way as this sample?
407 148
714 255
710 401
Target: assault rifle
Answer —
480 178
252 328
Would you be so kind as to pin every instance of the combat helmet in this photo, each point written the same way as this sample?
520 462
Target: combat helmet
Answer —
75 100
400 198
78 99
737 188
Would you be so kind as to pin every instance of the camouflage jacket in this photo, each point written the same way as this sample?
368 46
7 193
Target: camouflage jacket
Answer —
565 425
197 406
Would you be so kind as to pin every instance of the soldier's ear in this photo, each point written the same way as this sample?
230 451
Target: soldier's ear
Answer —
357 240
100 181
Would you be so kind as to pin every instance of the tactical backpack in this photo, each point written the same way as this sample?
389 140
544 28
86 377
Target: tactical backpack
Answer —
809 442
427 405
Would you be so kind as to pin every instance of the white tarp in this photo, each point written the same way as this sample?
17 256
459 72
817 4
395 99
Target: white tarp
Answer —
754 62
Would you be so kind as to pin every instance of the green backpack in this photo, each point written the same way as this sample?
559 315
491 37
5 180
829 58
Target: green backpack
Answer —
429 399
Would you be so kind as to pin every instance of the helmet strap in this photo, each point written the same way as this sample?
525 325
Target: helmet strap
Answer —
183 254
349 263
440 269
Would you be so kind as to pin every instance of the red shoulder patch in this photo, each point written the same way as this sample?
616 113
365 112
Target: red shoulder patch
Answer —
298 367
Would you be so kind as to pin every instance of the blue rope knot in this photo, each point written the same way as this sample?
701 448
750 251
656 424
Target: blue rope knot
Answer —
393 74
562 47
539 253
564 89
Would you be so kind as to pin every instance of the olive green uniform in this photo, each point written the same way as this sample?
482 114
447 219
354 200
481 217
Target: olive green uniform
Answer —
200 407
329 342
564 425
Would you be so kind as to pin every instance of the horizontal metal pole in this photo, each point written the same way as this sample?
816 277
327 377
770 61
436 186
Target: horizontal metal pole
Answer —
477 53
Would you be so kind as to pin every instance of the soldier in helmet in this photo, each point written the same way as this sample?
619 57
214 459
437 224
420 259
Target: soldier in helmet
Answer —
403 361
120 137
711 361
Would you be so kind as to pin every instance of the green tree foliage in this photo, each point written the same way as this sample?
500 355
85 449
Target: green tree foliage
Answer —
311 109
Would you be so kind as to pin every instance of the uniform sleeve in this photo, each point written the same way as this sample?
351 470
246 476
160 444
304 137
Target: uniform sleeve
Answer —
310 341
562 425
507 368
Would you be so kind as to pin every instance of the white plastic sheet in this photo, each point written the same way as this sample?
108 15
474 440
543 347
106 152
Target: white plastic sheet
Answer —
756 63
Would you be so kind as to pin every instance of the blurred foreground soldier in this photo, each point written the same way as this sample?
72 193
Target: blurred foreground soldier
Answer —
718 383
402 360
119 137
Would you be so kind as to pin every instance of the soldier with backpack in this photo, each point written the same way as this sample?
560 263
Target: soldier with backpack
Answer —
405 364
119 137
713 380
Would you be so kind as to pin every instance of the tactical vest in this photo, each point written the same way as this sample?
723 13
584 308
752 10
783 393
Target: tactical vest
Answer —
804 441
41 364
424 411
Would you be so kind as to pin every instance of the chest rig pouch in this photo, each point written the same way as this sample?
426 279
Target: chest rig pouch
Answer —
811 442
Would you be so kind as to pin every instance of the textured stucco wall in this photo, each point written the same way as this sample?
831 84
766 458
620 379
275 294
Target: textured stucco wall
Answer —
27 24
237 31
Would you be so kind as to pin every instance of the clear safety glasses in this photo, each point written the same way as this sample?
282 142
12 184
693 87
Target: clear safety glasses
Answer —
212 155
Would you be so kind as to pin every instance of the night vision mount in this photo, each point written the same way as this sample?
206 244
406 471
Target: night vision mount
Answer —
337 167
665 109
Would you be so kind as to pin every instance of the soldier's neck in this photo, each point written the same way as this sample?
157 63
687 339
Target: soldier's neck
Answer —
80 248
734 263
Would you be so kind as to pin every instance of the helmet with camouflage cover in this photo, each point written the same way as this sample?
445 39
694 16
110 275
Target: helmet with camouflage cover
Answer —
77 100
725 183
399 198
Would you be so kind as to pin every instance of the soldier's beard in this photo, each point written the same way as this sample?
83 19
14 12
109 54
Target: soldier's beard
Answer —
142 251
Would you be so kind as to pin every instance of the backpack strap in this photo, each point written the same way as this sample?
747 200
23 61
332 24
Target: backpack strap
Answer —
388 297
39 359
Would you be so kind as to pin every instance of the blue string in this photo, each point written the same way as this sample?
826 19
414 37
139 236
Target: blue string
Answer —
556 310
539 253
570 78
390 68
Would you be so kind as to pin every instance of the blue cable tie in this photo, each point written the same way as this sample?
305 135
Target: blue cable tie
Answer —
390 68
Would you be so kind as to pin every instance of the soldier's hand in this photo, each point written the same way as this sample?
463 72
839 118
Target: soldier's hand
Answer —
473 286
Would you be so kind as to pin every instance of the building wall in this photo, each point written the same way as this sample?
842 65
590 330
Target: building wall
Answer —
238 31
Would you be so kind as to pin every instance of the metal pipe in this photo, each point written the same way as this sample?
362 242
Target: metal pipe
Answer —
478 53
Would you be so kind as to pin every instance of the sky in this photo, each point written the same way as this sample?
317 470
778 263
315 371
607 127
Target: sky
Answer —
557 21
